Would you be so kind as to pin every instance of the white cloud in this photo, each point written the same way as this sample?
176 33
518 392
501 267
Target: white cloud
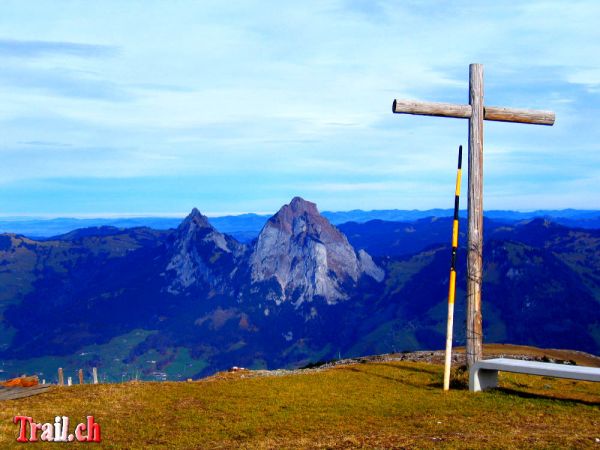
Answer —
255 89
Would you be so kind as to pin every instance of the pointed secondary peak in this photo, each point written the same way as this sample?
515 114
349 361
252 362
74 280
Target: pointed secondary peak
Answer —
197 218
197 215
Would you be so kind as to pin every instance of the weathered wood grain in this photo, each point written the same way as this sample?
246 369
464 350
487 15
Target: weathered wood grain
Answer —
431 109
500 114
492 113
475 216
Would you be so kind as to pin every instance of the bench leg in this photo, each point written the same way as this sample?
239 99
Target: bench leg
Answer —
482 379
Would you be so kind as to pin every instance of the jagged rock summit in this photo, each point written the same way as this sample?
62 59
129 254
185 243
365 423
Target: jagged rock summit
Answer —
201 255
307 257
298 256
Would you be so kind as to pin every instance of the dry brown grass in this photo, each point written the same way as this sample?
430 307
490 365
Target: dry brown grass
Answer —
372 405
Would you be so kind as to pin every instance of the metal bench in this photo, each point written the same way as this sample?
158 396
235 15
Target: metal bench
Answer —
484 373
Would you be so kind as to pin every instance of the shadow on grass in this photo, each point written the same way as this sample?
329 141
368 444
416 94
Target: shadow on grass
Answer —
455 385
423 385
459 379
531 395
411 369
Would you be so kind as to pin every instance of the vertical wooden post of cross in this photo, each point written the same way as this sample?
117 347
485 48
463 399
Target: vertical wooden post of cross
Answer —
474 344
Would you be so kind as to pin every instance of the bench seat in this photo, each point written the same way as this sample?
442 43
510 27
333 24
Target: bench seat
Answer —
484 373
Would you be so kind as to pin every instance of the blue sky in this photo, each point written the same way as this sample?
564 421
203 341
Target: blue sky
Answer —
154 107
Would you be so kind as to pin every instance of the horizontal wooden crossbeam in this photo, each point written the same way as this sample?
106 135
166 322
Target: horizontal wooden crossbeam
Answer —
431 109
499 114
495 113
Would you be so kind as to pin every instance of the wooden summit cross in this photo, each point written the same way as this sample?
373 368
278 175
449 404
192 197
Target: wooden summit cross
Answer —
476 112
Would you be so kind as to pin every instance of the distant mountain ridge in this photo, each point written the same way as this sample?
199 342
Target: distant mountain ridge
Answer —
192 291
192 299
246 227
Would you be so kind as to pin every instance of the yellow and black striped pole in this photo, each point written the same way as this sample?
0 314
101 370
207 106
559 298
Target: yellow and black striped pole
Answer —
452 286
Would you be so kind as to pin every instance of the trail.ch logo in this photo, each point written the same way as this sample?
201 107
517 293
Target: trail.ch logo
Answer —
57 431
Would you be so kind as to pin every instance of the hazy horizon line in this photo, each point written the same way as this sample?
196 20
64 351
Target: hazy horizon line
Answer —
158 215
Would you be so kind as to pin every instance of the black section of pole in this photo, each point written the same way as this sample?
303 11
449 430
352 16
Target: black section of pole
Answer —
456 209
452 284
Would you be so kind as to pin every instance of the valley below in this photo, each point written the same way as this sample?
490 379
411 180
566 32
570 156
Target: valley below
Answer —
186 302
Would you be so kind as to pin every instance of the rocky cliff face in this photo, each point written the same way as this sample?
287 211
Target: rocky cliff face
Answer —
307 257
201 256
298 256
69 300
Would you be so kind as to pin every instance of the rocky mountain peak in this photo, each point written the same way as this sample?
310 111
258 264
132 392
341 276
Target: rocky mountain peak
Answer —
298 211
298 206
200 254
307 256
195 219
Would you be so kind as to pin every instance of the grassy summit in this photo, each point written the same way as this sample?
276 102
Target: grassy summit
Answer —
371 405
